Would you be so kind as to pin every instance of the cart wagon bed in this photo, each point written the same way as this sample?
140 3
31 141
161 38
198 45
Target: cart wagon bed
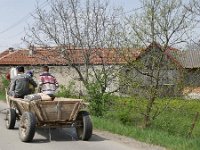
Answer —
61 112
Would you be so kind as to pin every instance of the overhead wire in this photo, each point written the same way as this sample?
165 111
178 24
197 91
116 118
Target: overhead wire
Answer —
15 24
23 19
132 10
42 5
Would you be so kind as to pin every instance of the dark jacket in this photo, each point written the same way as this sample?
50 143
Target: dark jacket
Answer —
20 85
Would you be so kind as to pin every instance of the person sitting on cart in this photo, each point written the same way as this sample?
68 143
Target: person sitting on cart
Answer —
30 73
47 82
20 84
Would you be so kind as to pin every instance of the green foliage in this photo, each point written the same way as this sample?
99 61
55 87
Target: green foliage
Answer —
2 96
120 110
5 82
98 100
66 91
152 136
178 118
176 115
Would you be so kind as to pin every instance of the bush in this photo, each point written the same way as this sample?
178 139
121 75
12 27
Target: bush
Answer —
67 91
178 118
98 100
175 119
152 136
5 82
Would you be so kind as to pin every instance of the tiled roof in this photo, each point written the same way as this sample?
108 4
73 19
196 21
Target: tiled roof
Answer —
186 59
189 58
4 53
53 56
22 57
174 55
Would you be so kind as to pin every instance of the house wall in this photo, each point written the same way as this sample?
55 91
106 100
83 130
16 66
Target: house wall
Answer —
151 63
192 77
168 85
64 75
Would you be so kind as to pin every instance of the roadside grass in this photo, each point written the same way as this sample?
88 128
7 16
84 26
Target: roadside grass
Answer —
170 129
2 96
150 136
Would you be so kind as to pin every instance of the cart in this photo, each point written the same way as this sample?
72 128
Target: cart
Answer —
61 112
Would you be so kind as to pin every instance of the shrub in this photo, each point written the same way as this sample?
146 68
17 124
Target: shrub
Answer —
67 91
175 119
125 110
98 100
5 82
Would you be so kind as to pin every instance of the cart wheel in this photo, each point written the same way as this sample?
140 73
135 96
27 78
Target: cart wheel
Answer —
10 118
84 126
27 127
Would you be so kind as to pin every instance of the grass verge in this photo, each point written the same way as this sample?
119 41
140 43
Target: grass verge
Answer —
2 96
150 136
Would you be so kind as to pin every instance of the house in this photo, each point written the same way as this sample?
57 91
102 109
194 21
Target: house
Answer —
190 61
172 66
179 72
156 69
60 62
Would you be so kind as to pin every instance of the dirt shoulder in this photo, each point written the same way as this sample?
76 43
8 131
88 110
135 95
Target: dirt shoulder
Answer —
127 141
130 142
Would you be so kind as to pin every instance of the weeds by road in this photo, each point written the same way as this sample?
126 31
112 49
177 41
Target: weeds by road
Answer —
2 96
171 128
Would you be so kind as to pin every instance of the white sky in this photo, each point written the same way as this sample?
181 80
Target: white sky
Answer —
15 15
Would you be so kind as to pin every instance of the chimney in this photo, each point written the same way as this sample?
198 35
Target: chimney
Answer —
62 53
11 49
31 50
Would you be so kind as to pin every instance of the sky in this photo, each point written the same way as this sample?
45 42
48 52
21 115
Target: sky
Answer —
15 16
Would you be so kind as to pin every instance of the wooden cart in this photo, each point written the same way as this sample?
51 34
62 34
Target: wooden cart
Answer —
61 112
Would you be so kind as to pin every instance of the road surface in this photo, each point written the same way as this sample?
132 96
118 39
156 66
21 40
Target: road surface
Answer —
65 139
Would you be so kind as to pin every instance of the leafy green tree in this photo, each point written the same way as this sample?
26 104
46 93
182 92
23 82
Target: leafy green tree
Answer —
157 27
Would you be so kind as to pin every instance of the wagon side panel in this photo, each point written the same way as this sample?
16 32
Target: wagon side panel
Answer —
59 111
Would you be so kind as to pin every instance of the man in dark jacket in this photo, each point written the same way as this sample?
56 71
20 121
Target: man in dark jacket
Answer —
20 84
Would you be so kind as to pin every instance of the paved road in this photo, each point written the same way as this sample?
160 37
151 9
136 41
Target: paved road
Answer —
63 139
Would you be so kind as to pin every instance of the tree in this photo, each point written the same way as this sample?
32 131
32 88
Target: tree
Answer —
194 8
80 28
162 24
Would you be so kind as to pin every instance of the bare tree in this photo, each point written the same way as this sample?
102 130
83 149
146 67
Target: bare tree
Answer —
161 25
194 8
84 33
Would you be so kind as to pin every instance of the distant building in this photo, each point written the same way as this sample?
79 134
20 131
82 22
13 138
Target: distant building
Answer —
177 65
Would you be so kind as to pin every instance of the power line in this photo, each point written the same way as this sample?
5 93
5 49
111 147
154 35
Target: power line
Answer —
23 19
15 24
15 35
132 10
42 6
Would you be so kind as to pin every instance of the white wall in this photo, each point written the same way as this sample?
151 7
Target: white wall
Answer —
64 75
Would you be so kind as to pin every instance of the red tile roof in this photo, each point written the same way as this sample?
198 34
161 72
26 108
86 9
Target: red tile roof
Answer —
53 57
4 53
22 57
